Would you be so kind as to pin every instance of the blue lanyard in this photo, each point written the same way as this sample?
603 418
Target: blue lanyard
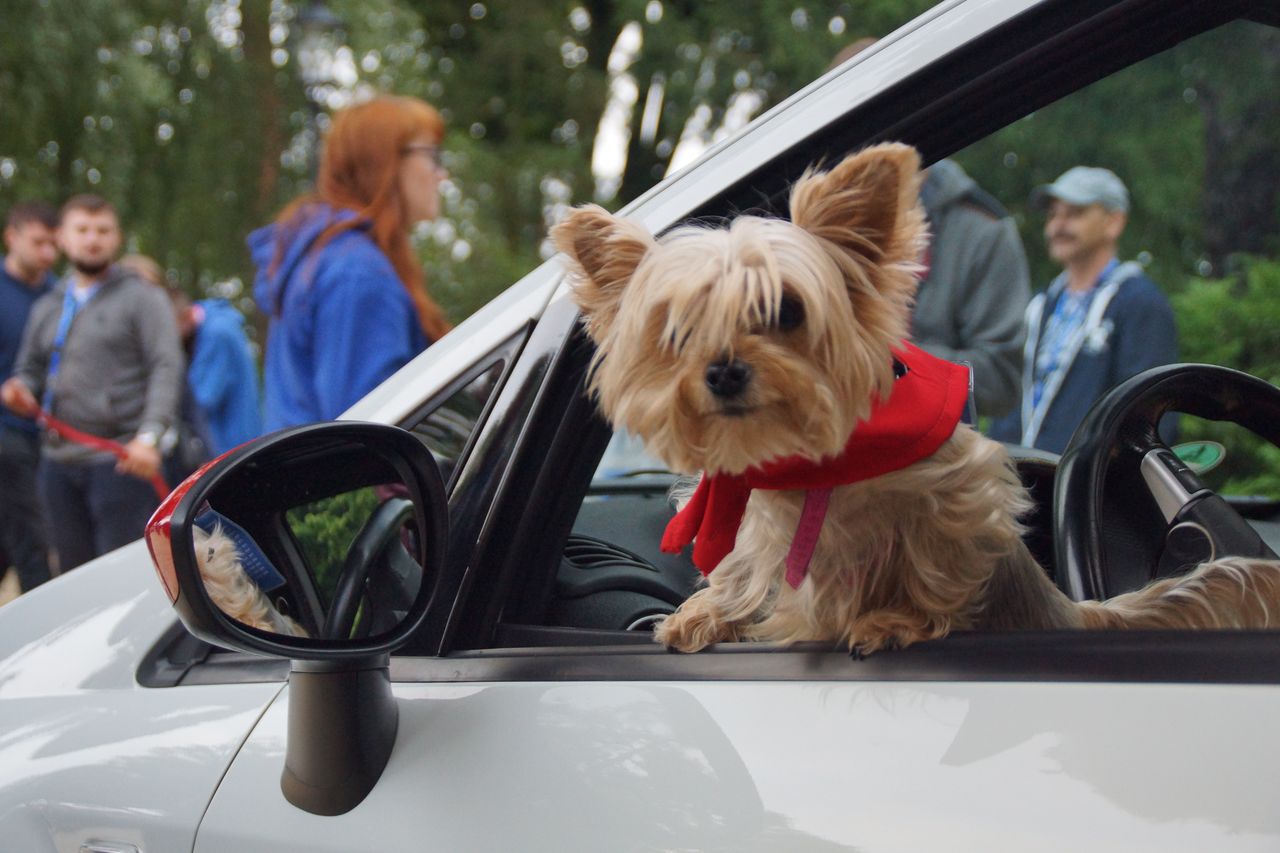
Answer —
1069 313
70 307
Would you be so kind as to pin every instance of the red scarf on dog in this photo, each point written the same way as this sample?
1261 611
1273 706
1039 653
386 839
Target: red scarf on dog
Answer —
924 406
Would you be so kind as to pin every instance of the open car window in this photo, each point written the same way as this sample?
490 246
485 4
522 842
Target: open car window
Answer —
1182 106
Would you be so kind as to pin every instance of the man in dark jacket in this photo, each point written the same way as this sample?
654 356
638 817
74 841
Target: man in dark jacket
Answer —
101 353
1099 322
24 277
970 305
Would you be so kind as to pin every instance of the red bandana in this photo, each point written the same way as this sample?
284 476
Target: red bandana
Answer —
921 413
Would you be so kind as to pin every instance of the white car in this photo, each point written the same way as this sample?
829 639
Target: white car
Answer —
508 696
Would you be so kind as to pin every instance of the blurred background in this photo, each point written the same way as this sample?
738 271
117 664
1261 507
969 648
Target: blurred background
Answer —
200 119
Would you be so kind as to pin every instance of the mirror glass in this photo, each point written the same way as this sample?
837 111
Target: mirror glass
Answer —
323 545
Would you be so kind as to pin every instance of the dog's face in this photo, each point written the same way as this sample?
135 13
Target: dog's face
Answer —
725 348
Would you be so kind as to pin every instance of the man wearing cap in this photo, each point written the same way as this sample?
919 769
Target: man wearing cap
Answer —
1098 323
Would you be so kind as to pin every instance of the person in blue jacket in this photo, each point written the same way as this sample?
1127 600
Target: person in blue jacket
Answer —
1098 323
337 276
221 370
221 407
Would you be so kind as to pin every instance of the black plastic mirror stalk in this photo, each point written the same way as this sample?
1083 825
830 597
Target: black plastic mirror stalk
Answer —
342 728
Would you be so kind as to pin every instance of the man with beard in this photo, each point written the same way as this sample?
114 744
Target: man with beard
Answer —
1099 322
24 277
100 353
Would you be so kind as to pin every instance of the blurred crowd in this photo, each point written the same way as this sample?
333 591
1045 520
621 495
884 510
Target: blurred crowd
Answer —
117 384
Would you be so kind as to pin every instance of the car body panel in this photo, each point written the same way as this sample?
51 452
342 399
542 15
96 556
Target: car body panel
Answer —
794 766
89 753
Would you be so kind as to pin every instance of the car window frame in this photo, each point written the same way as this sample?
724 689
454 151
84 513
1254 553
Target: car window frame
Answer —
503 356
1035 49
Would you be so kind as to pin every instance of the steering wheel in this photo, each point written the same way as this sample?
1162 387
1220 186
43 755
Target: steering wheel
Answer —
1109 538
380 532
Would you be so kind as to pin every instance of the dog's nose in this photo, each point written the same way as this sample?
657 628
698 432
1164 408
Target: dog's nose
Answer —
728 378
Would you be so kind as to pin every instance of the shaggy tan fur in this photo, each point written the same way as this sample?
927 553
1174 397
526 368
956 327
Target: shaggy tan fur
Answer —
904 557
232 590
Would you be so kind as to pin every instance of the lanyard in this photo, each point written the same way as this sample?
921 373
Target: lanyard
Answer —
70 307
1034 411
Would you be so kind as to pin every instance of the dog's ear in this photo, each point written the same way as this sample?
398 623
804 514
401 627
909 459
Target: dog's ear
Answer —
603 252
868 204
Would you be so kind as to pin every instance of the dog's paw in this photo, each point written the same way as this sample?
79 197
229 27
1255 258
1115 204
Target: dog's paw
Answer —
864 648
886 630
692 629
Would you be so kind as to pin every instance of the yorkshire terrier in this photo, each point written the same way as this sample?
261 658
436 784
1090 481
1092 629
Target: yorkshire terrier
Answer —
231 588
841 499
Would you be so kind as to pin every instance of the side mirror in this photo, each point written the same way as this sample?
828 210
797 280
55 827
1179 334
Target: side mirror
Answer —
323 544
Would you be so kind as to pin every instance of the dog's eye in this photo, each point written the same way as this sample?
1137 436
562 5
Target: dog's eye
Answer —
790 313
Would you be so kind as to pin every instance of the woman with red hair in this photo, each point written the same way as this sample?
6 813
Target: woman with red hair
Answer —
337 275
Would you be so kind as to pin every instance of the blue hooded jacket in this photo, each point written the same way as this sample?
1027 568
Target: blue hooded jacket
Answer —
223 377
341 321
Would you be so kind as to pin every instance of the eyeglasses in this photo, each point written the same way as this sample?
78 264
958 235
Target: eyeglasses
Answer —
432 151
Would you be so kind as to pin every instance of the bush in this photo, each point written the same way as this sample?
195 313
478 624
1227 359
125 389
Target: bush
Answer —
1235 322
325 529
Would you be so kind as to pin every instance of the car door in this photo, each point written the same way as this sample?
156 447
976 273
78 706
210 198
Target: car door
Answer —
516 732
723 763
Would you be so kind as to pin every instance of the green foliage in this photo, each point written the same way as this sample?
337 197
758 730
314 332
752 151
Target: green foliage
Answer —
1175 128
1235 322
174 111
325 529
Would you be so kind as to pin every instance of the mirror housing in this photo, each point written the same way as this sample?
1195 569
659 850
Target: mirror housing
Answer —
342 715
268 475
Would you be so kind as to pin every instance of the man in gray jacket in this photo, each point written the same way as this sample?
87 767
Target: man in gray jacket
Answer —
970 304
101 353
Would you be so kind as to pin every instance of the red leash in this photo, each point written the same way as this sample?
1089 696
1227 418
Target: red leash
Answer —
115 448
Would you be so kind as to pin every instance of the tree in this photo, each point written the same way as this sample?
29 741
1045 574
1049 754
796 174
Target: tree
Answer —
1187 130
192 118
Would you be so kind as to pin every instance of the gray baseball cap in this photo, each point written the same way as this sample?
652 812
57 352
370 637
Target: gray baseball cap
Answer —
1084 185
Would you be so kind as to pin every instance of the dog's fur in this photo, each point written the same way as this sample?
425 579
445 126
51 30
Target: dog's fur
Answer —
903 557
232 590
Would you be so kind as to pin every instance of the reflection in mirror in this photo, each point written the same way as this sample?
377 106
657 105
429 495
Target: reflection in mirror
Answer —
303 560
227 556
